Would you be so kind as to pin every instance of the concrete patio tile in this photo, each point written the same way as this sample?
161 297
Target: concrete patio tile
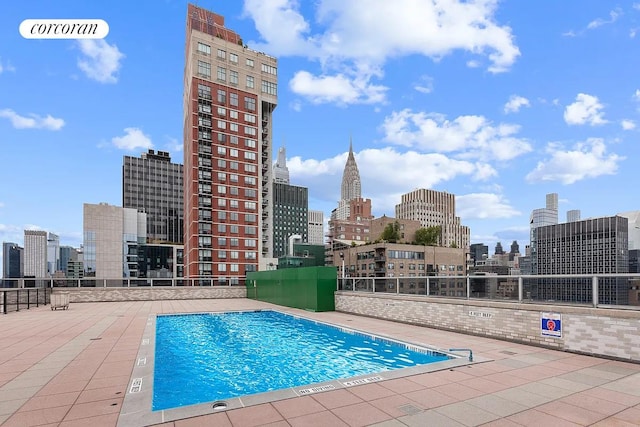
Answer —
594 403
396 406
56 386
571 413
629 385
429 379
612 396
319 419
92 395
10 406
51 401
545 390
458 391
466 414
565 384
304 405
497 405
102 407
453 375
401 385
535 418
218 420
522 397
18 393
506 378
595 371
576 376
502 422
621 368
107 420
371 391
429 418
429 398
484 385
37 417
361 414
276 424
254 415
119 381
389 423
336 398
613 422
631 415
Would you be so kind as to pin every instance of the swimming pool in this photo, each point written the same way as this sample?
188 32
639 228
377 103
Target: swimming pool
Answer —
215 356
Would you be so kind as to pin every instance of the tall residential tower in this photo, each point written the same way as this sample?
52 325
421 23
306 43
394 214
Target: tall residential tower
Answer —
230 93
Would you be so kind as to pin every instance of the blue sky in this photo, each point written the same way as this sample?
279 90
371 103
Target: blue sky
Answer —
498 103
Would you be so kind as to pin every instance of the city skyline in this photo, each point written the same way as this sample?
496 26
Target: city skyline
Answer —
499 114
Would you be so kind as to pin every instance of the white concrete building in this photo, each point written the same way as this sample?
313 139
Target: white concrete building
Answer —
111 238
316 227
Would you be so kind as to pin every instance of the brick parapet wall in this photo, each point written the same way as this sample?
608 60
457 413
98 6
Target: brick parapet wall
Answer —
607 332
152 294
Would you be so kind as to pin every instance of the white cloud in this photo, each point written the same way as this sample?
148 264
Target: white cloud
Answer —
386 174
636 95
587 109
596 23
588 159
469 136
348 42
340 89
599 22
32 121
6 67
133 139
628 124
424 85
515 103
484 206
633 32
101 61
636 6
173 145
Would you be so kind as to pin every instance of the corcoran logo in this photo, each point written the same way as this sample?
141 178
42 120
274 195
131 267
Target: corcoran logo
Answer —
64 29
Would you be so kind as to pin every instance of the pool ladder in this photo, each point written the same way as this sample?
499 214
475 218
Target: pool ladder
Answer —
464 349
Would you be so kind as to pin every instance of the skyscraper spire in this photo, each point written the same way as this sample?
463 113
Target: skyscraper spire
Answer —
351 187
280 169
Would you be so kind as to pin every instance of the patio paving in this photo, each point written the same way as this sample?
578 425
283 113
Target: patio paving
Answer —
73 368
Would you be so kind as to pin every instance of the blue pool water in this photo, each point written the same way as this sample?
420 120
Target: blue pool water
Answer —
207 357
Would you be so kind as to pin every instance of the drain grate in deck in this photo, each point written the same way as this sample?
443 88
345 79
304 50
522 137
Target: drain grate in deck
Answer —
510 353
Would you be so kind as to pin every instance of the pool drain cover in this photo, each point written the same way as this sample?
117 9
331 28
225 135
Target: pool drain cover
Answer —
219 406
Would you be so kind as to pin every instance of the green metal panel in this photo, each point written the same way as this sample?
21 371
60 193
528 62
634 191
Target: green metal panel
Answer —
308 288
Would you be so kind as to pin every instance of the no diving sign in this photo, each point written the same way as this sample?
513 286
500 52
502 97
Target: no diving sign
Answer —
551 324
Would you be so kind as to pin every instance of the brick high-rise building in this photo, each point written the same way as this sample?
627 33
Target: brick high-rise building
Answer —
230 92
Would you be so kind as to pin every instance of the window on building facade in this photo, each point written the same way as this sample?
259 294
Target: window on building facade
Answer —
204 69
204 49
233 77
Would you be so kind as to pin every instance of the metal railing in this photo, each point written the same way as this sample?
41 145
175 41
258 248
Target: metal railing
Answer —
92 282
23 298
594 290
